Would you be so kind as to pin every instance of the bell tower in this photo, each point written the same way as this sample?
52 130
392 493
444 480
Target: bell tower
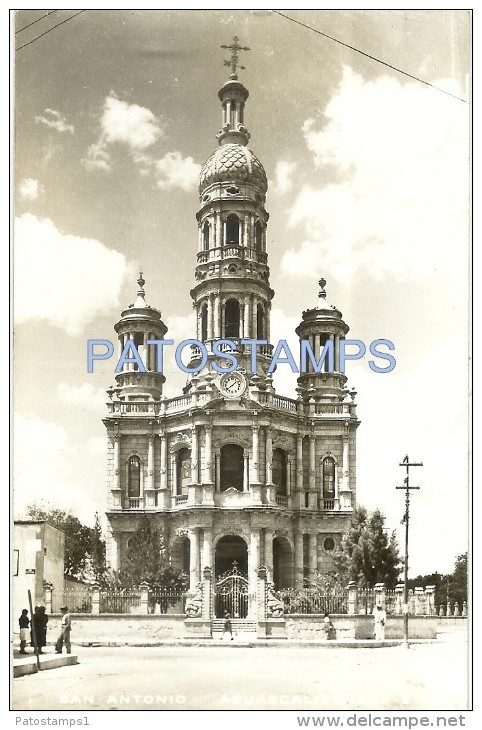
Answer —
232 295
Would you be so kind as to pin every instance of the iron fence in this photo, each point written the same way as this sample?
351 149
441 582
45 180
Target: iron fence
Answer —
308 601
119 601
166 602
77 600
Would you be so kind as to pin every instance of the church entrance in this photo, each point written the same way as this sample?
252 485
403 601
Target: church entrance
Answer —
231 570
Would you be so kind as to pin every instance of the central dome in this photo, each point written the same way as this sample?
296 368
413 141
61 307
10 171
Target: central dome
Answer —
236 163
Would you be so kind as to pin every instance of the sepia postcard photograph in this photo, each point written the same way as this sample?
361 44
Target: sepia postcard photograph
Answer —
241 322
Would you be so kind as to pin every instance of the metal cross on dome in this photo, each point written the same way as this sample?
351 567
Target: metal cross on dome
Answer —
234 60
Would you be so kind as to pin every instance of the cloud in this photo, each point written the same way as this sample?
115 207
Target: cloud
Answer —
84 395
129 124
396 201
30 189
282 182
177 171
55 120
63 279
98 157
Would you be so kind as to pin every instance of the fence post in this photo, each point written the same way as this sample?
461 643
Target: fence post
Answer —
430 593
418 593
95 596
379 594
449 609
399 588
262 576
464 609
144 588
48 588
352 598
456 609
441 611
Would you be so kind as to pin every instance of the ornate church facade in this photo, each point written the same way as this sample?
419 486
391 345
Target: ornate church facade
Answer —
236 475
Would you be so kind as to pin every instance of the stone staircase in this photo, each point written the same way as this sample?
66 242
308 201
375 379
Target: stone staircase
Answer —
243 629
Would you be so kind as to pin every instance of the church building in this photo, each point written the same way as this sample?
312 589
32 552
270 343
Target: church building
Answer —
236 475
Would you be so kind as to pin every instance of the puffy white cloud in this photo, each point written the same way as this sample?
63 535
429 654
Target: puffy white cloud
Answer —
55 120
177 171
98 157
63 279
30 189
84 395
282 182
398 156
130 124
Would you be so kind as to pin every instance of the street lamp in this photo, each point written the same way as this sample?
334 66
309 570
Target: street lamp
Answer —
406 486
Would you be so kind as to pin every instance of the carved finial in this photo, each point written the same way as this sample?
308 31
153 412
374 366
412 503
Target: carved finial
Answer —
141 281
233 62
322 293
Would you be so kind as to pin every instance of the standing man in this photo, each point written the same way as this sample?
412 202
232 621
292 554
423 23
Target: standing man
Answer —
64 636
380 619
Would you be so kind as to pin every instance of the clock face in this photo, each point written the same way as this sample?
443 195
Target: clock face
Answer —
232 385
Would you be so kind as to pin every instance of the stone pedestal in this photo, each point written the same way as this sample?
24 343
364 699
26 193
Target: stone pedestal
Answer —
197 628
272 628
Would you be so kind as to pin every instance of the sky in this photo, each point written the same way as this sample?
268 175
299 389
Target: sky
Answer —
369 186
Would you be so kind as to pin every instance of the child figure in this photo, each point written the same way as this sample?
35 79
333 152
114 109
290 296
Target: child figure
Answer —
227 625
24 623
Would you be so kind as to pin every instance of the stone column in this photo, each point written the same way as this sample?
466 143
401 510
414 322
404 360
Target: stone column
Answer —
299 559
313 502
219 231
255 461
217 316
210 326
144 588
194 558
207 548
299 469
268 553
116 461
207 578
246 474
247 317
175 487
150 461
208 476
379 591
253 571
313 551
48 598
194 456
163 473
269 455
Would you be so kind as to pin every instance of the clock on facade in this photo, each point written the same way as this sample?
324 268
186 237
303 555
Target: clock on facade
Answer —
232 385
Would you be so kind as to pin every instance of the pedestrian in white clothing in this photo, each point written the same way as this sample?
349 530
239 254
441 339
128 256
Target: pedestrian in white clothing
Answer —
380 619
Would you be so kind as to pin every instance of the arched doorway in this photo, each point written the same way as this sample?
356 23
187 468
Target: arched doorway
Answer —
230 567
283 564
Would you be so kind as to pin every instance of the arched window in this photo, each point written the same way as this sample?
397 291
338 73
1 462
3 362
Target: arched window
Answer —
206 236
183 471
280 471
204 323
260 322
232 229
232 467
134 477
231 318
328 477
258 236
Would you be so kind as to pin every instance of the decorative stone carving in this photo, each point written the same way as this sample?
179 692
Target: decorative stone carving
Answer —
194 605
274 607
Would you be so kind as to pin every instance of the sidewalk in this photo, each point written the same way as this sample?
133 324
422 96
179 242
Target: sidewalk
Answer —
27 664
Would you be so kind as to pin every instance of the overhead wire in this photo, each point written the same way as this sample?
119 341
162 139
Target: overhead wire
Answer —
367 55
36 21
50 29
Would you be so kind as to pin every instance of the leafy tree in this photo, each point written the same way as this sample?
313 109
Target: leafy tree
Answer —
97 551
368 555
78 537
458 580
146 560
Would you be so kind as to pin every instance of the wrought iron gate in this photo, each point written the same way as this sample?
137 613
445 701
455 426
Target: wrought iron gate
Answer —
231 595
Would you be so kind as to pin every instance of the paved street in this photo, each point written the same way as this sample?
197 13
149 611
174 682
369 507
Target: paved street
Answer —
427 676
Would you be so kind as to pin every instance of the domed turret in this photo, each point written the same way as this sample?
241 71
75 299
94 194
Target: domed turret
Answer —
233 163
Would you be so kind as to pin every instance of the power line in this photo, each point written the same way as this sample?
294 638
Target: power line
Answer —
50 29
367 55
36 21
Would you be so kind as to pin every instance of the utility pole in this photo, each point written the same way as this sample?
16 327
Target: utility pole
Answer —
406 518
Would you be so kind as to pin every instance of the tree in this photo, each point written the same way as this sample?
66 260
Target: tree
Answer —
78 537
97 551
368 555
458 580
146 560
